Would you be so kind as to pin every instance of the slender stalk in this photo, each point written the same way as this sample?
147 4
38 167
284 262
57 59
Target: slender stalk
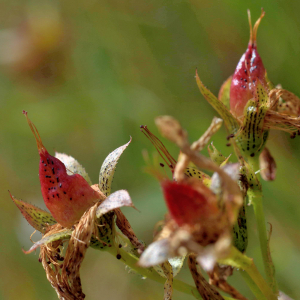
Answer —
255 198
251 284
131 261
241 261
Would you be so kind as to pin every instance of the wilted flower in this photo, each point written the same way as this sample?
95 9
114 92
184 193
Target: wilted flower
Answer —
95 228
200 218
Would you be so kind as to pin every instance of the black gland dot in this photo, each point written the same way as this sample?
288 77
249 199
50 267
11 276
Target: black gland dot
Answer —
119 256
70 198
64 192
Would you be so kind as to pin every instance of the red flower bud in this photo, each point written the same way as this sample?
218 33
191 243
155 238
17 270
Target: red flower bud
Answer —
67 197
249 70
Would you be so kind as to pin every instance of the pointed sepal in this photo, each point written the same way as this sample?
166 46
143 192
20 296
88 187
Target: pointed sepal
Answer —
38 218
108 169
61 235
73 166
231 122
252 137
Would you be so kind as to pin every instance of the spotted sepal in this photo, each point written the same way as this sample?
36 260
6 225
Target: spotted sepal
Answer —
73 166
231 122
39 219
252 138
64 234
108 168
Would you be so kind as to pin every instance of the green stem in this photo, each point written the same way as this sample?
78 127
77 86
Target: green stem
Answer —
255 198
150 273
251 284
241 261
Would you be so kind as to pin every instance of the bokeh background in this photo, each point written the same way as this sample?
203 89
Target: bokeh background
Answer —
89 73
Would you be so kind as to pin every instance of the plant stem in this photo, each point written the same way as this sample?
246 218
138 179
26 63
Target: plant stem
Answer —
251 284
255 198
131 261
241 261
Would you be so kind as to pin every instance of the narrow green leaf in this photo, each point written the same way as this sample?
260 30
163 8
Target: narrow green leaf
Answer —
231 122
108 168
73 166
39 219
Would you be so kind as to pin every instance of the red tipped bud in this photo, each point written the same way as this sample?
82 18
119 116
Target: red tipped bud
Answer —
248 72
67 197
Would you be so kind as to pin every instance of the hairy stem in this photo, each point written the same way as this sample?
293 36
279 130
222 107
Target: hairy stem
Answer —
241 261
255 198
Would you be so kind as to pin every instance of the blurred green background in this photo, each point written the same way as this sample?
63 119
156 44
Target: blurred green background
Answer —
89 73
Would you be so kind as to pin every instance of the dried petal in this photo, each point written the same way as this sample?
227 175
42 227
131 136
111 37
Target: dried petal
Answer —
267 165
73 166
108 169
218 278
36 217
116 200
156 253
206 290
171 129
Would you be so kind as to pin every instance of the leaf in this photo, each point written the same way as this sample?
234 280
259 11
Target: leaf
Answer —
116 200
73 166
62 235
231 122
108 169
39 219
155 254
224 93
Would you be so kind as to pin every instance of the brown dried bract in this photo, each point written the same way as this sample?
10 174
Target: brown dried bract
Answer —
267 165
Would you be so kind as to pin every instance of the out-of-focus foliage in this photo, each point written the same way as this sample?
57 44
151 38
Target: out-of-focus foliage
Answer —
90 72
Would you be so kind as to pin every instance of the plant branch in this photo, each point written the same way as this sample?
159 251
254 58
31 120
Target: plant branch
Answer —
131 261
255 198
241 261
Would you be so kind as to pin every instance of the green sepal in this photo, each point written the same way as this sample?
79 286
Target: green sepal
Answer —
231 122
64 234
252 138
240 232
224 93
38 218
73 166
215 155
108 168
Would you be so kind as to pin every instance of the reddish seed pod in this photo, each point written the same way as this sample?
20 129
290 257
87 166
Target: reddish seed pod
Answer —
249 70
67 197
